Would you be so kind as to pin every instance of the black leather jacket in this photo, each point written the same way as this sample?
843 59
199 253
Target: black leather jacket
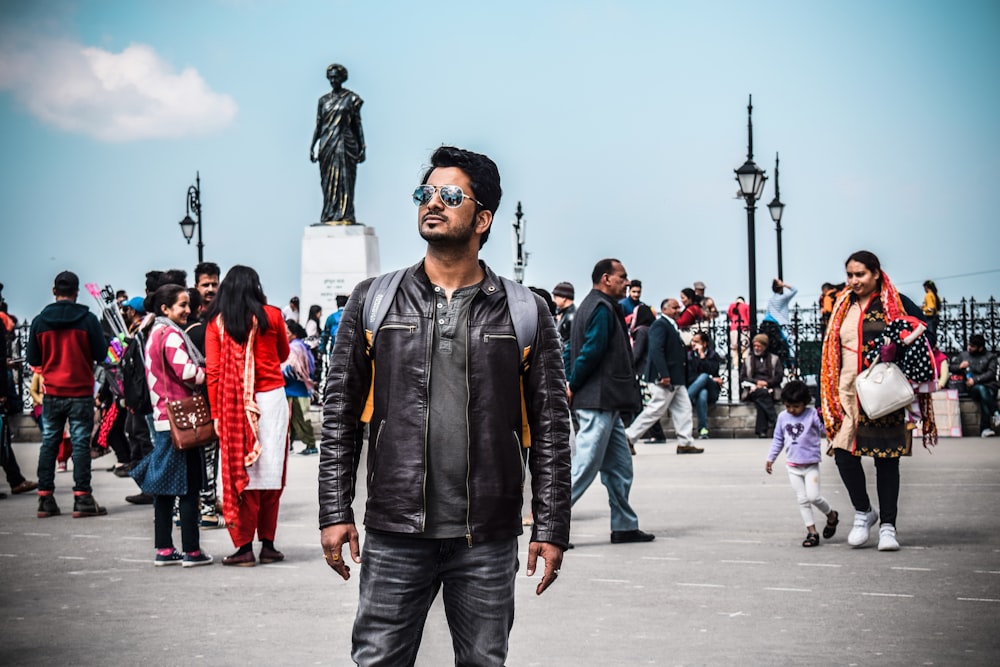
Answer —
396 453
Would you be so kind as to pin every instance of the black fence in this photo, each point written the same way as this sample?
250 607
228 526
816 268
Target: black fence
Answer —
958 321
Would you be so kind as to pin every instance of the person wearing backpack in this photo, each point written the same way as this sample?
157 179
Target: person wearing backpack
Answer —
449 385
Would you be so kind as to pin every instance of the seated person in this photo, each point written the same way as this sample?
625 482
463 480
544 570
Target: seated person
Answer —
692 313
703 380
760 383
980 370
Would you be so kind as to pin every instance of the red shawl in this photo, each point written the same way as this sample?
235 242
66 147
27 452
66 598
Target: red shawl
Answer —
238 417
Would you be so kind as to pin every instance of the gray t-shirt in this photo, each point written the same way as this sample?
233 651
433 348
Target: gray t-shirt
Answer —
448 423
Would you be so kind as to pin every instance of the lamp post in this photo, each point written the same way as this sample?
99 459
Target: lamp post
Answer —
520 256
751 179
777 208
194 205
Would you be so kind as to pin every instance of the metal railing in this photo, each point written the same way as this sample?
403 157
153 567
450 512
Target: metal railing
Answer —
957 321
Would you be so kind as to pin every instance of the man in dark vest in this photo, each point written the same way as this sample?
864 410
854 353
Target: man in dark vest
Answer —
602 385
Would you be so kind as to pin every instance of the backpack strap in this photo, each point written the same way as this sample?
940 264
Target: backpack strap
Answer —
380 295
523 315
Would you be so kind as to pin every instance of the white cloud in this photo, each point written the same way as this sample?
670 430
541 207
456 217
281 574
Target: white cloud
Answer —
123 96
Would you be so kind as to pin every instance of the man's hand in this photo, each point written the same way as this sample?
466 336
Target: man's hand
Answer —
333 538
552 555
767 467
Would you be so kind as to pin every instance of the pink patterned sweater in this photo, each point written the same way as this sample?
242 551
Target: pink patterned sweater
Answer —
170 373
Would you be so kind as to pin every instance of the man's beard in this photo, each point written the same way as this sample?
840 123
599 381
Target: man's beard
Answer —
452 238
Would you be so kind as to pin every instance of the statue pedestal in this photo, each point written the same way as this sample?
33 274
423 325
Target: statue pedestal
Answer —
335 258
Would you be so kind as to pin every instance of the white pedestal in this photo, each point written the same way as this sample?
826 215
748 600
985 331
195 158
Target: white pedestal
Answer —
335 258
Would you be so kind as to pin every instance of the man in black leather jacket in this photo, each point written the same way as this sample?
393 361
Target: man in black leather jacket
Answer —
447 444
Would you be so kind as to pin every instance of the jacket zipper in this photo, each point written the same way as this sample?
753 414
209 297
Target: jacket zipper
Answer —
378 439
468 434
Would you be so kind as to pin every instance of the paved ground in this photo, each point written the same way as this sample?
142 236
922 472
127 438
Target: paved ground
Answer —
725 582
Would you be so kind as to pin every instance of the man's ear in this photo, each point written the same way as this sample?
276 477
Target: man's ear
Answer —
484 219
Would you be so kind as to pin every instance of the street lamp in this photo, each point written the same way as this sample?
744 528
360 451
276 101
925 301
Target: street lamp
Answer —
751 179
194 205
776 208
520 256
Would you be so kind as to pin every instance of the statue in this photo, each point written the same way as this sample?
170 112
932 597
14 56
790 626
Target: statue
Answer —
341 147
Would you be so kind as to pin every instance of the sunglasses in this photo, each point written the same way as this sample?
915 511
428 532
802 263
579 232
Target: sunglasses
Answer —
452 196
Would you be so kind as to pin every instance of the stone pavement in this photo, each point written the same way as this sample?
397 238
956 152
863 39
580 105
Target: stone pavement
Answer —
725 582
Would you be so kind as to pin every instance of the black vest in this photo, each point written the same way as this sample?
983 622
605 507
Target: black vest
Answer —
613 386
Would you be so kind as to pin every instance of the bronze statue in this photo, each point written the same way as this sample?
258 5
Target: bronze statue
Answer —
341 147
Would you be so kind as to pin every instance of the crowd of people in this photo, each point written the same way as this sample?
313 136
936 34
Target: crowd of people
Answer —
451 422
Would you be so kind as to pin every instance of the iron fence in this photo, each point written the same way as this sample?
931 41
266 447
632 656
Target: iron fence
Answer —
958 320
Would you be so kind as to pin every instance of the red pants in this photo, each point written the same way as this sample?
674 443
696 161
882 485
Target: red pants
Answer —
257 512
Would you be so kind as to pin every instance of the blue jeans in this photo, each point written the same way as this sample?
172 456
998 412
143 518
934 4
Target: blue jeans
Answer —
402 574
56 411
601 446
985 397
700 391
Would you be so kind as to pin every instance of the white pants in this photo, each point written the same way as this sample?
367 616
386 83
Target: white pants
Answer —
663 400
805 483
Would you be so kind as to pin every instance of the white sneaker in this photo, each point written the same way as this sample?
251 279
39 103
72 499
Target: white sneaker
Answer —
887 538
863 522
987 433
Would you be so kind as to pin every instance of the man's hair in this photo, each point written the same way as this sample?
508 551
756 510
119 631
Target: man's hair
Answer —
205 269
979 340
482 172
341 300
175 277
663 304
602 267
153 280
194 299
635 283
795 391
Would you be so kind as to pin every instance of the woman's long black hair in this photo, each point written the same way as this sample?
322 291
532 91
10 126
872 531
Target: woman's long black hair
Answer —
240 298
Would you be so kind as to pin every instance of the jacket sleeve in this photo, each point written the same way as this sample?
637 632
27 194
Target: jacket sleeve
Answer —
777 372
656 367
548 418
212 349
347 386
95 335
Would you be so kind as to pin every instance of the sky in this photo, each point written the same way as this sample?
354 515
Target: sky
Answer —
617 125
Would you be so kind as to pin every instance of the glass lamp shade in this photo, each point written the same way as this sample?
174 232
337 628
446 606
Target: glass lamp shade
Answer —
776 208
187 227
751 180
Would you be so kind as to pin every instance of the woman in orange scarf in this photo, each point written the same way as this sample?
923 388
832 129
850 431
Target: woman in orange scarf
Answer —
860 314
245 343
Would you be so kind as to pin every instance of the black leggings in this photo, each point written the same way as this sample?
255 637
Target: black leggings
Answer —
163 510
886 483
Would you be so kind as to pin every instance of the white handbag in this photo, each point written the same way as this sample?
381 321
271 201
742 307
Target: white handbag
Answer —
882 389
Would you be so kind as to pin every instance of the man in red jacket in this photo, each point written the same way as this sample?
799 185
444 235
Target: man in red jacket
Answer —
66 341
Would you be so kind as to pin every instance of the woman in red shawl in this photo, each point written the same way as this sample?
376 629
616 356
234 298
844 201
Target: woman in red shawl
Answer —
245 343
860 314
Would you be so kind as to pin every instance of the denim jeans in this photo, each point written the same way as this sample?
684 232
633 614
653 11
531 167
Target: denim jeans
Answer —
56 411
985 397
601 447
700 392
402 574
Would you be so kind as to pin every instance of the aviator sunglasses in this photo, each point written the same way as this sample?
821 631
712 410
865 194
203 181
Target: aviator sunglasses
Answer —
452 196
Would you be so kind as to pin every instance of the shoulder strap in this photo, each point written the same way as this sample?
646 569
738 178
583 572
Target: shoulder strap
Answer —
380 295
523 313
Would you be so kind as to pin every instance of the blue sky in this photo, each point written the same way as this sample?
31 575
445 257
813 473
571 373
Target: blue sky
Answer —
617 125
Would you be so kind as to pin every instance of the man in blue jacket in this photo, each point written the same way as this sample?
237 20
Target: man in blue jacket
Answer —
66 341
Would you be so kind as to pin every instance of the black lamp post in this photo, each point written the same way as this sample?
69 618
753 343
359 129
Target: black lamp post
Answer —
194 205
751 179
520 256
776 208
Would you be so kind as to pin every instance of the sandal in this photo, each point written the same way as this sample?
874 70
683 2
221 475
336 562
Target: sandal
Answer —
812 540
831 525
